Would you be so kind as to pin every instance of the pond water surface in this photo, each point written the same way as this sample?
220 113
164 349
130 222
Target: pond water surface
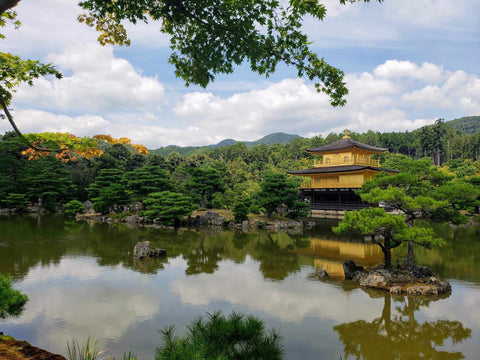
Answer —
82 282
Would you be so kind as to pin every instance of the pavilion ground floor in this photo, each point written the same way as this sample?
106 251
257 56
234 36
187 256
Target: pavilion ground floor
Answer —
338 199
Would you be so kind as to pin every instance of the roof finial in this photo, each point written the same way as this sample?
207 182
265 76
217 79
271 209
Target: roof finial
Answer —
347 134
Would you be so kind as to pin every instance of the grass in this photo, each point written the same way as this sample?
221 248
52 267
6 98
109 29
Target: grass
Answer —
87 351
91 351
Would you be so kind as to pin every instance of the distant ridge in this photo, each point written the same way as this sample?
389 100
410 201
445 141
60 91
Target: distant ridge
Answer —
466 125
271 139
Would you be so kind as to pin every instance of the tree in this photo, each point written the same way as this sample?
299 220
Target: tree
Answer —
15 201
208 38
204 181
240 210
421 192
401 336
146 180
111 197
46 180
235 337
167 207
277 190
105 178
74 207
11 301
387 230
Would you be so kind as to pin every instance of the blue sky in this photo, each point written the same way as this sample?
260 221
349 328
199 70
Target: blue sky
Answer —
406 64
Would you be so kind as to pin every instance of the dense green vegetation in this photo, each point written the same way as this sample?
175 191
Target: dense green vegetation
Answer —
11 301
238 177
467 124
235 337
271 139
454 139
419 192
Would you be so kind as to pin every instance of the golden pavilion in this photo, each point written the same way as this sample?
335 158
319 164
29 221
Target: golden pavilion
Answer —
344 167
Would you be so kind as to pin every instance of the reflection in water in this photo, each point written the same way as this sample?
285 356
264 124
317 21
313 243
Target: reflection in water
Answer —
401 336
82 280
331 254
28 246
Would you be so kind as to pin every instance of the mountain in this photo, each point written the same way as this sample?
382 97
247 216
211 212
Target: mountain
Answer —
275 138
466 125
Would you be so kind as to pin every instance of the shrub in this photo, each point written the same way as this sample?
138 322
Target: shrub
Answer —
254 209
11 301
74 207
16 201
235 337
167 207
240 212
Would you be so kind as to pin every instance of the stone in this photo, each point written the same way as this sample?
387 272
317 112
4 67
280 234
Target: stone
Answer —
372 279
132 219
422 271
400 281
158 252
294 224
350 269
210 218
142 249
322 274
395 290
88 205
309 224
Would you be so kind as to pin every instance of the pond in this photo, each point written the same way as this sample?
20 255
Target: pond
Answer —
82 281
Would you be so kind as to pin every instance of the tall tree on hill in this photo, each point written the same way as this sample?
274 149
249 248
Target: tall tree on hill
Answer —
146 180
278 190
46 180
204 181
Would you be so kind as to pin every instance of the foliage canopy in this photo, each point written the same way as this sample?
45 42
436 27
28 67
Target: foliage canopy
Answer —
218 337
11 301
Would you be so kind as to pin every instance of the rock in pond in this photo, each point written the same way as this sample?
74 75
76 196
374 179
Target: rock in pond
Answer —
322 274
143 250
350 269
420 281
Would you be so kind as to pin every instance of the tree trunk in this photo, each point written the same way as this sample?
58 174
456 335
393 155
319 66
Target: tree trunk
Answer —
410 257
203 201
387 255
387 314
410 263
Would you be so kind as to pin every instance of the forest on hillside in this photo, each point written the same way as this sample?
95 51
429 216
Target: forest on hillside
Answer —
215 177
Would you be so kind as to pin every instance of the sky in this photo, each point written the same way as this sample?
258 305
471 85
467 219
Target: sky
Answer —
406 63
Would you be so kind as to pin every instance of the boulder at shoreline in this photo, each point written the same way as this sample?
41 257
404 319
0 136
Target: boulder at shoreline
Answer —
420 281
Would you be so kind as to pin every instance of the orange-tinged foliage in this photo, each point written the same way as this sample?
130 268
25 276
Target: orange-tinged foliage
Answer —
141 149
68 147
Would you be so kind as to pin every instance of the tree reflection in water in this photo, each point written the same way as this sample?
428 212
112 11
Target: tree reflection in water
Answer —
401 336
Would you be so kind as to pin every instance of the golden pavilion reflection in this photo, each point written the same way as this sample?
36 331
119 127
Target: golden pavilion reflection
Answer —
331 254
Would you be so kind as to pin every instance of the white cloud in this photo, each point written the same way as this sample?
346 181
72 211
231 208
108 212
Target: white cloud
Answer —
47 25
395 96
34 121
97 82
407 69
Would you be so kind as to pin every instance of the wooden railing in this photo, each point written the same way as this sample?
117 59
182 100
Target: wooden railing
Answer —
330 185
368 162
330 206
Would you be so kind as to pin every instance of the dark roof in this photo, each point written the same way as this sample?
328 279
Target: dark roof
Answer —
346 143
332 169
